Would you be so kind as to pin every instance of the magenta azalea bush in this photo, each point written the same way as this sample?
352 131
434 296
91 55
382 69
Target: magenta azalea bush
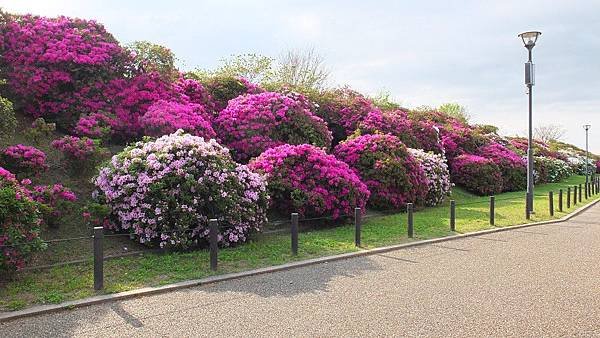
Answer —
165 191
24 160
305 179
253 123
166 117
193 91
392 175
58 200
438 176
96 126
413 133
20 219
81 153
477 174
512 166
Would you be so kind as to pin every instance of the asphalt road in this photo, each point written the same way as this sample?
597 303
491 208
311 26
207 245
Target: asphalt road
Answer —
536 281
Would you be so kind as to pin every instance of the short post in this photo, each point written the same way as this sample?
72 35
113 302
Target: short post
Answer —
527 211
568 197
213 228
294 233
560 200
452 215
575 195
580 197
98 258
357 225
409 210
585 190
492 209
551 202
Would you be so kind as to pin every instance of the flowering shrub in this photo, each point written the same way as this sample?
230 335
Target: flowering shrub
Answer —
50 58
193 91
24 160
437 173
598 167
512 166
19 223
166 117
82 153
253 123
304 179
578 164
413 133
57 198
549 170
8 121
40 129
224 88
343 109
477 174
97 126
393 176
165 191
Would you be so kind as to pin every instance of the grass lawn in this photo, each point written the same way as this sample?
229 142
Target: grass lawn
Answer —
58 284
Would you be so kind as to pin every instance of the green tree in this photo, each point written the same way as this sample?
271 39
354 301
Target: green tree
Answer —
455 110
151 57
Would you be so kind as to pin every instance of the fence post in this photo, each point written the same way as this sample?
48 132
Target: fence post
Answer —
98 258
580 197
357 225
575 195
551 202
560 200
294 233
452 215
213 229
568 197
527 211
585 190
409 210
492 209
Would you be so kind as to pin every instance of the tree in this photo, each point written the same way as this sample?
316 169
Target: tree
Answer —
384 101
549 132
301 68
455 110
150 57
253 67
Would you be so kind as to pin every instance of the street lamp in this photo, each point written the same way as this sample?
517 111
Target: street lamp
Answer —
529 40
587 159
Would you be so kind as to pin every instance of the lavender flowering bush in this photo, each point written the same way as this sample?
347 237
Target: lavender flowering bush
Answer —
393 176
305 179
437 173
253 123
165 191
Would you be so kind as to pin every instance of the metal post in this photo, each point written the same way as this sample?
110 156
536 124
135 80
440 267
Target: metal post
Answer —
294 233
213 228
587 157
357 225
568 197
452 215
492 209
409 210
560 200
551 202
529 203
98 258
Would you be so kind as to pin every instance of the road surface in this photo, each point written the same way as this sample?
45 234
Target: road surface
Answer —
535 281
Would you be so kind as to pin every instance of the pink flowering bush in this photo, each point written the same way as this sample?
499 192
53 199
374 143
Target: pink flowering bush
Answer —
477 174
343 109
19 223
58 199
413 133
392 175
193 91
81 153
96 126
438 176
253 123
512 166
598 167
48 59
166 117
165 191
305 179
25 160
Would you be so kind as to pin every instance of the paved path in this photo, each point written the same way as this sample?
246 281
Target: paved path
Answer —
536 281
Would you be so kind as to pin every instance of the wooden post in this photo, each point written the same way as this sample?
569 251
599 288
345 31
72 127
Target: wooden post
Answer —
294 233
560 200
213 228
568 197
492 210
452 215
409 210
551 203
98 258
357 226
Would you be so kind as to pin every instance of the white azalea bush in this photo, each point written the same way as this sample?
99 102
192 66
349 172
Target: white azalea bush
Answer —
437 173
164 191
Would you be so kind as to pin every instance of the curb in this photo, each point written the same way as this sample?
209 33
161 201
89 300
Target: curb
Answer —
44 309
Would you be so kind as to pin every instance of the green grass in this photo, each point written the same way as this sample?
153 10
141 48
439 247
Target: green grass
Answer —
75 281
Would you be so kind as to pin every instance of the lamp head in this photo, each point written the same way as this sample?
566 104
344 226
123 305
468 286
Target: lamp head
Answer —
529 38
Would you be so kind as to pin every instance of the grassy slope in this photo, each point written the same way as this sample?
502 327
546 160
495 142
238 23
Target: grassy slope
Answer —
75 281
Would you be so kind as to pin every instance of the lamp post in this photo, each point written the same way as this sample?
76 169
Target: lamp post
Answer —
587 159
529 40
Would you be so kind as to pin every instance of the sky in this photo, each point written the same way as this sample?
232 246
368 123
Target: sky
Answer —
422 52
